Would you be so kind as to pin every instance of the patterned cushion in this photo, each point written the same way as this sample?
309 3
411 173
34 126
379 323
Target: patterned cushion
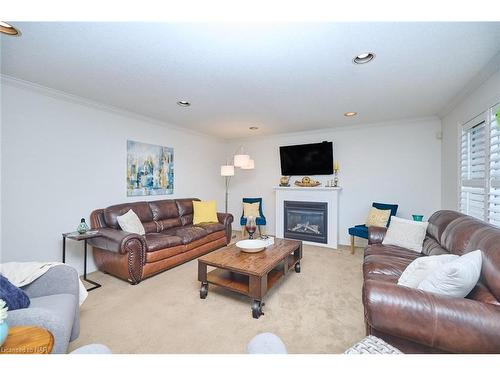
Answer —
251 209
372 345
377 218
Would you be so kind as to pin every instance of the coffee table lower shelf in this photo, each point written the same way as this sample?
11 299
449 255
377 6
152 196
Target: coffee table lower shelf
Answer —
249 285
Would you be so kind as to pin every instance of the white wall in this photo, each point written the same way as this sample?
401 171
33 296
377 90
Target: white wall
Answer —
62 158
396 162
477 102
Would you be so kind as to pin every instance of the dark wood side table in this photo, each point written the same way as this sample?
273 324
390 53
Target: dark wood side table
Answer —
82 237
28 340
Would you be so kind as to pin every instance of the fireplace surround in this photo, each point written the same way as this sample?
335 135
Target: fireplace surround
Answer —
318 194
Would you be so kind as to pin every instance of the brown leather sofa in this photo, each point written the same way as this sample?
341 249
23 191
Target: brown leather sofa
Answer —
420 322
170 239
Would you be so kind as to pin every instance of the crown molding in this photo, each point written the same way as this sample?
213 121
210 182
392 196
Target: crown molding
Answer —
65 96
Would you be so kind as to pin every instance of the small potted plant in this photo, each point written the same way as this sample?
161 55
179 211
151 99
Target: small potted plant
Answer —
4 328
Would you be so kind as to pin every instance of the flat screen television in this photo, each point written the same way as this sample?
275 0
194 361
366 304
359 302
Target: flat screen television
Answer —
308 159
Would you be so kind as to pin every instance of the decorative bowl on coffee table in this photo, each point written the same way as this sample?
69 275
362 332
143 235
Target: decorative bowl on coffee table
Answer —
252 246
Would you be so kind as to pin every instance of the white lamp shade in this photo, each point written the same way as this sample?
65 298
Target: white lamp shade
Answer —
249 165
241 160
227 170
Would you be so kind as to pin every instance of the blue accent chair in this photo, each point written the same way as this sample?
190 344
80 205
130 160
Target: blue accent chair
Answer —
261 220
362 230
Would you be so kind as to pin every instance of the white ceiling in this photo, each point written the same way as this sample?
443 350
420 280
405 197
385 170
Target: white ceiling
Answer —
280 77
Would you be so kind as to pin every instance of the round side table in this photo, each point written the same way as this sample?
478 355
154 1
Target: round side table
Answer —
28 340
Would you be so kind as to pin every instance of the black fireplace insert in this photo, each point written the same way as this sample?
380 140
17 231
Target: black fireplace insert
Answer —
307 221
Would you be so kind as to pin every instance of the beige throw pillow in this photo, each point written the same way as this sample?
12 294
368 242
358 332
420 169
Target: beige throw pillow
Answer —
377 218
251 209
422 267
456 278
130 222
406 233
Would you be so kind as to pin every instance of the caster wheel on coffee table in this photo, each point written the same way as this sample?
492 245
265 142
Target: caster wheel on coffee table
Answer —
297 267
203 290
257 309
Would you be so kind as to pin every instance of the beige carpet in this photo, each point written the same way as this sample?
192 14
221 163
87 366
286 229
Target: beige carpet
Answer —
316 311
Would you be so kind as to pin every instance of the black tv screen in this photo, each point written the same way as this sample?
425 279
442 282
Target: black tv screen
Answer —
308 159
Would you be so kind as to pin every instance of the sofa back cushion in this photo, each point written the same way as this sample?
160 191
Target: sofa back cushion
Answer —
439 221
165 213
141 209
460 234
185 208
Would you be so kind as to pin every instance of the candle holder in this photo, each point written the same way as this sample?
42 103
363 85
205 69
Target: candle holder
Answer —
336 178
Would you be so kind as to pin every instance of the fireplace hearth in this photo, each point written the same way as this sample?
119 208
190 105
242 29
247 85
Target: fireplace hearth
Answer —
307 221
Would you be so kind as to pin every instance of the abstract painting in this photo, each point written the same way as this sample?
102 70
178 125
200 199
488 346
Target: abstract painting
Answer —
150 169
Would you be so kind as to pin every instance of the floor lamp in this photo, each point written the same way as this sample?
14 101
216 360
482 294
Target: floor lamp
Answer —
227 171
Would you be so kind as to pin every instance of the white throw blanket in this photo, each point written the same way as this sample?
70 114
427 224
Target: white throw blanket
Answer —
24 273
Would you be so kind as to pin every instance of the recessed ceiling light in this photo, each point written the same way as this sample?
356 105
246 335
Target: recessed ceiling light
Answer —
5 28
350 114
363 58
253 128
183 103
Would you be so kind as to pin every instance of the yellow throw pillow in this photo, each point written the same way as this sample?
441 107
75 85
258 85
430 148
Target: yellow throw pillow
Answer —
204 212
377 218
251 209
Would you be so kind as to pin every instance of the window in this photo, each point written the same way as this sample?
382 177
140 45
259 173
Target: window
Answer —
480 167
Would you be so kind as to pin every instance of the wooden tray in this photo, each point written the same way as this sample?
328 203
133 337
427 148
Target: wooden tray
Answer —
311 184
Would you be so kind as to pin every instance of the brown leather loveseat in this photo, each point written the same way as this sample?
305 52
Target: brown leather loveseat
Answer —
420 322
170 239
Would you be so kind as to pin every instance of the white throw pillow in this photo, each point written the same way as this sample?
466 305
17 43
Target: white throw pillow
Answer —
421 267
406 233
456 278
130 222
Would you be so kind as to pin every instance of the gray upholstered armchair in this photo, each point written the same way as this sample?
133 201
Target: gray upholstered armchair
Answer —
54 306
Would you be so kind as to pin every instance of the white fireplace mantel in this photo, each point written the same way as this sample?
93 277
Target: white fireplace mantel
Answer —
328 195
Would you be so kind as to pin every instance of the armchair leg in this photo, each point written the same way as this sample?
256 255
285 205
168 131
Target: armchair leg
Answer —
352 244
243 232
260 233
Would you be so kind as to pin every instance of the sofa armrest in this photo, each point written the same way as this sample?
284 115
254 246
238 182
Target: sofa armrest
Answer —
61 279
41 317
456 325
376 235
118 241
226 220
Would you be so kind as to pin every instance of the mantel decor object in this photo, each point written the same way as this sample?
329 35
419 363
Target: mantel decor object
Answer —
307 182
285 181
336 170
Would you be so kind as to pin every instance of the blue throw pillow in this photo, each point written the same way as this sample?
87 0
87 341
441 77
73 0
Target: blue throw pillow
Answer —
14 297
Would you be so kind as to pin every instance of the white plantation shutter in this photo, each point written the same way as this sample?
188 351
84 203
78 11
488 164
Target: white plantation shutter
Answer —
473 169
480 167
494 168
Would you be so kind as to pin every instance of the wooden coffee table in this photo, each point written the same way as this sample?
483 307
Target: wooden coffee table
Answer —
249 274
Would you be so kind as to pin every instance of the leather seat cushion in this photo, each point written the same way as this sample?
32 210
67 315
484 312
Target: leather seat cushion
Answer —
187 233
386 262
158 241
392 250
211 227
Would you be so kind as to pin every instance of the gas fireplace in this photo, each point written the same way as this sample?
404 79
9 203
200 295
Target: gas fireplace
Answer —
307 221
